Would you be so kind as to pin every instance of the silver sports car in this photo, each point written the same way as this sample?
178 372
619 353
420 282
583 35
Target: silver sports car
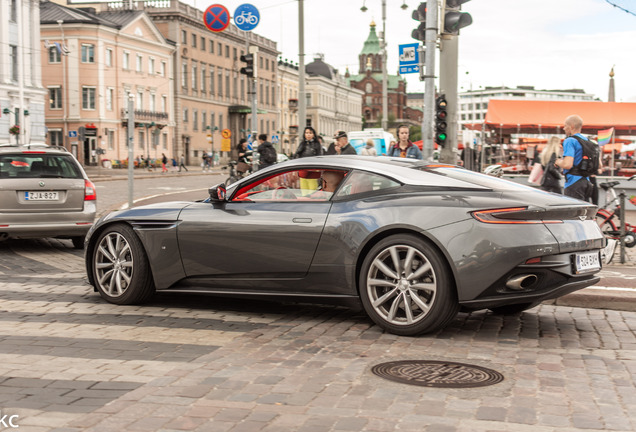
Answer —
412 242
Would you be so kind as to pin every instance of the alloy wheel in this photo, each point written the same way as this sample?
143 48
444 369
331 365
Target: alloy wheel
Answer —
114 264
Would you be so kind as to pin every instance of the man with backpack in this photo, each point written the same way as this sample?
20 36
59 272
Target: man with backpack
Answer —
580 160
266 151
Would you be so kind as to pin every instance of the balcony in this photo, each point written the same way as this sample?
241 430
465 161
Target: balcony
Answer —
145 116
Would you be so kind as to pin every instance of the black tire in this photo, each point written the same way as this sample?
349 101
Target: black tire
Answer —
513 308
424 283
230 180
78 242
120 266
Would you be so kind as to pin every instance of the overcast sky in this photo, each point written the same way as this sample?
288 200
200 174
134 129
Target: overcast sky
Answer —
548 44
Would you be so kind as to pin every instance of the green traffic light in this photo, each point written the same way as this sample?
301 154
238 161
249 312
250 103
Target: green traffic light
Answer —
442 137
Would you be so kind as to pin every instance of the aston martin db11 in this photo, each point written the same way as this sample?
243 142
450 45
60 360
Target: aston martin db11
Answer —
413 243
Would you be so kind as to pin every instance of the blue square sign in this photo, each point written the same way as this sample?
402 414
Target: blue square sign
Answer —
409 58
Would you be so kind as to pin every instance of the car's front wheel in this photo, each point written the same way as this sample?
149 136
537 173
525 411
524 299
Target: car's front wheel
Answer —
120 266
405 286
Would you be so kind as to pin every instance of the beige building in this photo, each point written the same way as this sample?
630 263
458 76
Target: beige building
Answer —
288 103
21 94
93 62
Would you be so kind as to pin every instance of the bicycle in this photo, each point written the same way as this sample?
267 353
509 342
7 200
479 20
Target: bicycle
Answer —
609 214
235 175
246 17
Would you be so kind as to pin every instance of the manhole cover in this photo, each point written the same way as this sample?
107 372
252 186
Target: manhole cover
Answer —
430 373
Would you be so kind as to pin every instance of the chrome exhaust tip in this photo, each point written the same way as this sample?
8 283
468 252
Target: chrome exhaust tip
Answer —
521 282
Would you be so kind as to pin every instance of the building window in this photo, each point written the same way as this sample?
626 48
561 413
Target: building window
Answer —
194 40
153 102
151 66
211 81
204 120
221 121
195 120
165 140
234 52
88 53
227 84
184 37
126 64
13 55
110 137
220 81
139 63
227 51
212 120
235 85
211 46
109 57
88 98
202 43
220 48
140 100
203 80
164 103
110 96
13 11
185 115
142 140
55 97
56 138
54 55
194 77
184 75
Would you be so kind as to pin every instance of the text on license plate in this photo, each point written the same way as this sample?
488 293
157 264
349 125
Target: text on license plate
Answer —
587 262
41 196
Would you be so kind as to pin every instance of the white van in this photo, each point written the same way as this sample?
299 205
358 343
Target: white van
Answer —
381 139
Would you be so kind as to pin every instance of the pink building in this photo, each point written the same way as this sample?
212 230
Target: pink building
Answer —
92 61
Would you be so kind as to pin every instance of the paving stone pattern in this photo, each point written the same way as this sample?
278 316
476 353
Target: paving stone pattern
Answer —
70 362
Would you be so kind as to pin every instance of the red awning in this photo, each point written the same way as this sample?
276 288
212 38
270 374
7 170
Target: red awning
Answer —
533 116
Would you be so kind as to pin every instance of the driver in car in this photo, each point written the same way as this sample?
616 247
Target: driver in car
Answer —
329 182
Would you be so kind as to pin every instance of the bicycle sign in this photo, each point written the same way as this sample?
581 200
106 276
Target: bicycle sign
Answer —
216 18
246 17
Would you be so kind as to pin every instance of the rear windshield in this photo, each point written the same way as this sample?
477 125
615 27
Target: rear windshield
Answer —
475 178
38 165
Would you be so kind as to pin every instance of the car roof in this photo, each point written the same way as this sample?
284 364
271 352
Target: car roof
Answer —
12 148
397 168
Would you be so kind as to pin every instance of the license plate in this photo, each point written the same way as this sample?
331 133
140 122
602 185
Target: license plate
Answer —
588 261
41 196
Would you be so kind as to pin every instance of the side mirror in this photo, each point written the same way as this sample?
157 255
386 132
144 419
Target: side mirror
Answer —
217 193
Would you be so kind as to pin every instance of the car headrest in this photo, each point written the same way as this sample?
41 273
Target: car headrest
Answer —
309 174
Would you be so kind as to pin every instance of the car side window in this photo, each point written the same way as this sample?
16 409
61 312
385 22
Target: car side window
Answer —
359 182
295 185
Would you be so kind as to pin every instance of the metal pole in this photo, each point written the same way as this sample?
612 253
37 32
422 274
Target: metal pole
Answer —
429 79
448 85
302 98
621 197
131 139
64 92
385 97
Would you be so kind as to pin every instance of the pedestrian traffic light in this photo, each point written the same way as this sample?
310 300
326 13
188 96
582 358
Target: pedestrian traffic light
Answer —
440 120
249 68
453 19
419 14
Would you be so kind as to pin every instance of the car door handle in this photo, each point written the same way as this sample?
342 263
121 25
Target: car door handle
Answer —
301 220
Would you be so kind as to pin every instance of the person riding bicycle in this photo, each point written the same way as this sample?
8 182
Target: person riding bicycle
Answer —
244 157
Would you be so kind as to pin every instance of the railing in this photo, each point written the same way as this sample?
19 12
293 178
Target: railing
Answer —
141 115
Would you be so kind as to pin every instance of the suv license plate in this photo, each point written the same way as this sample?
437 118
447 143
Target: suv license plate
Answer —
586 262
41 196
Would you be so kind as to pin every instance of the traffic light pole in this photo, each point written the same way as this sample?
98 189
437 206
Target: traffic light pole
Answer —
429 79
448 85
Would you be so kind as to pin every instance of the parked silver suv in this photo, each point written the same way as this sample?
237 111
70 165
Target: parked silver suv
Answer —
44 192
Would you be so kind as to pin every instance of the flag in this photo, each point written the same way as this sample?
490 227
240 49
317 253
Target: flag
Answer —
604 136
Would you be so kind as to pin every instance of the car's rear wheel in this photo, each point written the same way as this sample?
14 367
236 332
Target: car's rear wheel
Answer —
78 242
405 286
120 266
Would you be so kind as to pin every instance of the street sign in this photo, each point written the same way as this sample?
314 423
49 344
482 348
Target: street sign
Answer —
216 18
226 133
275 139
246 17
409 58
226 144
72 134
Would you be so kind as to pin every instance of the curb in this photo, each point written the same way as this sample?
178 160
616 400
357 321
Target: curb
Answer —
621 299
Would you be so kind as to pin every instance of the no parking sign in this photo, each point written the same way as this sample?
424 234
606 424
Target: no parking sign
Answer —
216 18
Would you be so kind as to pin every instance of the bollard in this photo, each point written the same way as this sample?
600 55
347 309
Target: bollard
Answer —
621 214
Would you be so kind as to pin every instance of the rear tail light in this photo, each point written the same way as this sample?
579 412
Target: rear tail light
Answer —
89 191
512 215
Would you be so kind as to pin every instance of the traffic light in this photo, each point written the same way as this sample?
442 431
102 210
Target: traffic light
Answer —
249 68
440 120
453 19
419 14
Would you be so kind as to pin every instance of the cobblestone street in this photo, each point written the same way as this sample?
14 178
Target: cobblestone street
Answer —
72 362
